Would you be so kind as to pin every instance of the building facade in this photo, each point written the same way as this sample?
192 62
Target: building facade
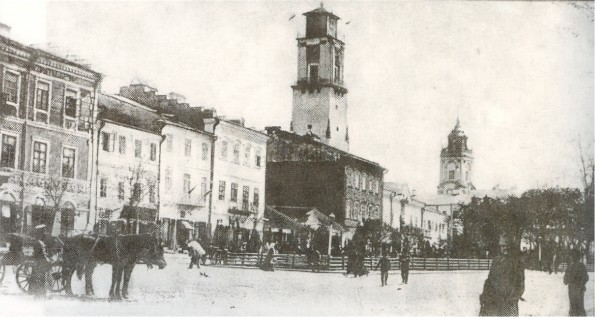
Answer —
319 94
304 172
456 162
48 105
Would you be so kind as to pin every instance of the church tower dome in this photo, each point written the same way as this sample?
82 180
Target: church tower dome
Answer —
456 161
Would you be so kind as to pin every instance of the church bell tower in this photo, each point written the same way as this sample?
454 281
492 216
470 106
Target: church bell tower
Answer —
456 161
319 94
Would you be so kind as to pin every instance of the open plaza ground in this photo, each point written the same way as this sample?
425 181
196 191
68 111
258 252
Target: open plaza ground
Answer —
177 290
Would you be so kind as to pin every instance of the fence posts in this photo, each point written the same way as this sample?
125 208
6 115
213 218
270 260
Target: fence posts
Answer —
293 261
342 262
448 264
424 263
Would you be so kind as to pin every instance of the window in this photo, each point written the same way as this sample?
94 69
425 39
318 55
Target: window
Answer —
167 179
187 185
9 150
247 153
188 147
169 142
153 154
256 200
107 141
348 209
234 192
313 73
429 225
221 190
451 175
42 100
356 180
68 159
364 182
122 144
356 210
246 198
224 150
312 54
138 148
40 150
236 153
137 191
258 159
338 61
11 87
203 187
121 191
70 109
205 151
103 187
152 194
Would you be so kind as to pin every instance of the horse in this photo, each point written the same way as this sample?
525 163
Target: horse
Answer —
84 252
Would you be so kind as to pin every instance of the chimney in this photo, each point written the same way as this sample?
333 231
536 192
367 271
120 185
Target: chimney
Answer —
4 30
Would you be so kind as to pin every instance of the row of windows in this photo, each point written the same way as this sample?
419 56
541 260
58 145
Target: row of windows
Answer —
41 100
430 224
362 181
204 150
245 195
39 163
108 144
236 154
358 211
138 192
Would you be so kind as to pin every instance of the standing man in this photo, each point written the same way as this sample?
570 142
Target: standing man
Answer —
576 277
40 269
505 284
384 264
405 260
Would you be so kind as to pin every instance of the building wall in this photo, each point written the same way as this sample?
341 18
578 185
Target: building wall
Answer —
243 172
125 168
20 184
176 203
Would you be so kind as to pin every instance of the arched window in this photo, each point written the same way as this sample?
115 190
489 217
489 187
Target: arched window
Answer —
357 179
364 183
236 153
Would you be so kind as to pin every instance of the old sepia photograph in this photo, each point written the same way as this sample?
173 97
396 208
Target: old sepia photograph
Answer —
297 158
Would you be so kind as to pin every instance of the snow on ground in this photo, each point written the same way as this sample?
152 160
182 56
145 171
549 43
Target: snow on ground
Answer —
176 290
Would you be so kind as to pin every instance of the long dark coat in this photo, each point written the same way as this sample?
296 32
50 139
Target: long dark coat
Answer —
503 288
576 277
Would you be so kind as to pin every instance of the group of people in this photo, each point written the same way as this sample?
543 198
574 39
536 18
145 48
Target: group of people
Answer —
505 285
385 265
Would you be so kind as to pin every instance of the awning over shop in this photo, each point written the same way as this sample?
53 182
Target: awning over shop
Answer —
235 211
277 219
186 225
140 213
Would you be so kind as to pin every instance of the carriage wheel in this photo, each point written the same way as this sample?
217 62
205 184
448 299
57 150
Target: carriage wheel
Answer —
23 277
56 283
2 272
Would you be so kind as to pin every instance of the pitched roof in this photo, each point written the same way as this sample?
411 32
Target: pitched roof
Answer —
306 216
320 10
126 112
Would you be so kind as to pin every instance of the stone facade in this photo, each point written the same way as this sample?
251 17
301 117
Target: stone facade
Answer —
47 106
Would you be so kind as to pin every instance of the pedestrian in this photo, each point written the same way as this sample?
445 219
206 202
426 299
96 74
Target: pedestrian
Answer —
576 277
405 260
316 256
384 264
505 284
268 261
195 251
40 269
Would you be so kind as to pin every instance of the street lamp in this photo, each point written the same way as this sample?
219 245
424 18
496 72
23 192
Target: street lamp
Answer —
330 232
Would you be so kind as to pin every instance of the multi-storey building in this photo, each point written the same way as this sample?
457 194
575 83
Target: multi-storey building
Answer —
47 106
235 192
304 172
127 163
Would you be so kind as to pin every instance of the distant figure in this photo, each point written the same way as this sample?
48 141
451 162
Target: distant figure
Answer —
384 264
405 260
505 284
576 277
268 264
40 269
316 256
195 251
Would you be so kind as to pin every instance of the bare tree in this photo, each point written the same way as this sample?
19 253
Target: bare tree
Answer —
587 173
54 189
141 185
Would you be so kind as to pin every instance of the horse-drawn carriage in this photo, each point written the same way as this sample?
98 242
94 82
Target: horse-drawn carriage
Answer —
21 255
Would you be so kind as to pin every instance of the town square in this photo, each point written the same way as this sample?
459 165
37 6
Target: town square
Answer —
296 158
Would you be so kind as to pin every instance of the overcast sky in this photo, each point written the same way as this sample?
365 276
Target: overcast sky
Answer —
519 74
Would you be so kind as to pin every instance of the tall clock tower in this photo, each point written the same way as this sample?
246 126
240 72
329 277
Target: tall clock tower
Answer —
319 94
456 161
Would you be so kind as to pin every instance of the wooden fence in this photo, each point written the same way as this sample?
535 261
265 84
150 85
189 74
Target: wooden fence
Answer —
339 263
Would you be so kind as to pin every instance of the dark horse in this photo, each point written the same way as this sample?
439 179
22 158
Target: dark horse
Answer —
82 253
